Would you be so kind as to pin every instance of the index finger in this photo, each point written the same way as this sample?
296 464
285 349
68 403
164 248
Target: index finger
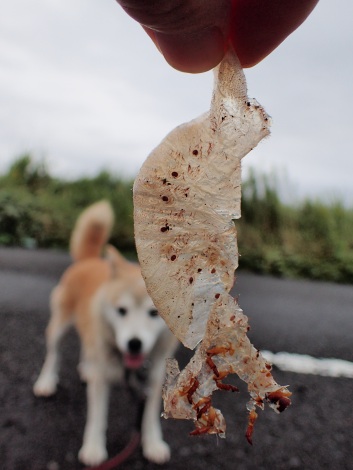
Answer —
193 35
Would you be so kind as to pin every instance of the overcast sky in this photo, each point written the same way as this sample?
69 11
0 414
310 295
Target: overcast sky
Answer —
82 86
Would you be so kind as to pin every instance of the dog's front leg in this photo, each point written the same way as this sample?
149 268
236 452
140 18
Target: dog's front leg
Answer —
154 447
93 450
46 383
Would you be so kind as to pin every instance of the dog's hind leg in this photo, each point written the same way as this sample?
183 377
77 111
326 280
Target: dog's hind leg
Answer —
93 450
59 323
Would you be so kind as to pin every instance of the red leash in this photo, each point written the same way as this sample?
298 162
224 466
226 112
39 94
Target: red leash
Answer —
114 462
135 439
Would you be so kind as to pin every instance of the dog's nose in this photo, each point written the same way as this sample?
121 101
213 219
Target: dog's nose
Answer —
134 345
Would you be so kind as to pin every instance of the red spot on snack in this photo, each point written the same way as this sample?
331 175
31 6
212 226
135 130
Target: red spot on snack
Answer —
175 174
213 271
165 198
191 280
217 296
173 257
201 430
192 390
280 399
195 152
227 387
250 428
204 409
212 366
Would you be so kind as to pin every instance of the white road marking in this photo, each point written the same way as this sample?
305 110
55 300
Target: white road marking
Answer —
304 364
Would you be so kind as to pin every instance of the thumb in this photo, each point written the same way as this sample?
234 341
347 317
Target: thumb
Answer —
191 34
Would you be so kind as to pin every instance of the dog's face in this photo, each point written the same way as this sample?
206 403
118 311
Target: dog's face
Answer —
134 321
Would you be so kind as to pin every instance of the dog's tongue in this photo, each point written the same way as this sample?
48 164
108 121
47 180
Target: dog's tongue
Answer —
133 361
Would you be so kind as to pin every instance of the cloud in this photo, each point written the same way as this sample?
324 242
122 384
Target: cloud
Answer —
70 87
82 84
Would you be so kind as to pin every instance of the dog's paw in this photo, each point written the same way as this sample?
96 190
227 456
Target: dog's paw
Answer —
156 451
92 454
45 386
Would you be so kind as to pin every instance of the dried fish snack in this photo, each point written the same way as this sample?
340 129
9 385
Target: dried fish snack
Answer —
186 198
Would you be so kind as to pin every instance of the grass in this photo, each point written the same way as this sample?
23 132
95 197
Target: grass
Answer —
307 240
40 210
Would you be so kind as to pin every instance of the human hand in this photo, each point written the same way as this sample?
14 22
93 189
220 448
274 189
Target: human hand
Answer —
193 35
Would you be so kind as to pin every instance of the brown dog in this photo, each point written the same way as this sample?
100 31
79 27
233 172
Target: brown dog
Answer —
106 300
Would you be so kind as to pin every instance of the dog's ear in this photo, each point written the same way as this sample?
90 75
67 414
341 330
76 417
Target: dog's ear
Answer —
116 260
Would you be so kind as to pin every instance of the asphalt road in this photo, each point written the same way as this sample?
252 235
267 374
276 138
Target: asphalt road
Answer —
304 317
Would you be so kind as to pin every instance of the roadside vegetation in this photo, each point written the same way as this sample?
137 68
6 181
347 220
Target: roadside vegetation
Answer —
308 240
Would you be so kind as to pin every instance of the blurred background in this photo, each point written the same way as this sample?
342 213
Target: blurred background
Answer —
309 238
85 96
83 88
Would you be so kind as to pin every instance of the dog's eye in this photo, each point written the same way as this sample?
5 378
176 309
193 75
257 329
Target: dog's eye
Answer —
153 312
122 311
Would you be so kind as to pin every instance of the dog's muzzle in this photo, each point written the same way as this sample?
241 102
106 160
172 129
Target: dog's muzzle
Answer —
133 358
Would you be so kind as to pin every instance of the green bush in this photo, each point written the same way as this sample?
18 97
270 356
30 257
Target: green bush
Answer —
310 239
38 210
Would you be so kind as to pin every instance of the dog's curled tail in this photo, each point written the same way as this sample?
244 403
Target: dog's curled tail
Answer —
92 231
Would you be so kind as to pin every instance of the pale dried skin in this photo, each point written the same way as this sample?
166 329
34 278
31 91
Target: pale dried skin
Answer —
224 350
186 198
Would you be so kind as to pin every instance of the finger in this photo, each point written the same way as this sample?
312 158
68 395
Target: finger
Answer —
192 52
191 34
259 26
